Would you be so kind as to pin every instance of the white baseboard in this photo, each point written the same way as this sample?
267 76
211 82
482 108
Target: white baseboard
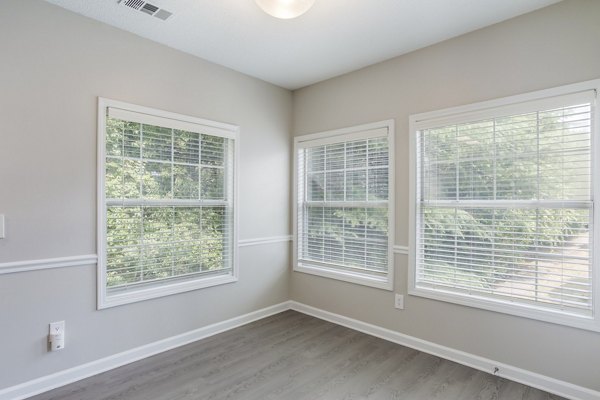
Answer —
529 378
49 382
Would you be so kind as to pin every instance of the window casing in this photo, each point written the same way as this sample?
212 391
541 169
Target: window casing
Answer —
502 205
166 203
343 216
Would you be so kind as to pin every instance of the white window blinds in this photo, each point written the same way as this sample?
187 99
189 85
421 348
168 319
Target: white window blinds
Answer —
504 205
343 199
168 198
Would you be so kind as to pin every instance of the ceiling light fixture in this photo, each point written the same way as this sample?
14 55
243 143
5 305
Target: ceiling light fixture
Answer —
285 9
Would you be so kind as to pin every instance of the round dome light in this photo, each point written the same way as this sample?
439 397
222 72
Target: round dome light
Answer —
285 9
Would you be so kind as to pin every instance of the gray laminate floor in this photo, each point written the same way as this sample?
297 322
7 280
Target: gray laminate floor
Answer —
294 356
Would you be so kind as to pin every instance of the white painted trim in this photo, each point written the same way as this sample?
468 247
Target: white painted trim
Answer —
346 276
48 263
264 240
348 135
401 249
65 377
92 259
49 382
166 288
103 105
152 112
516 374
419 121
530 311
344 131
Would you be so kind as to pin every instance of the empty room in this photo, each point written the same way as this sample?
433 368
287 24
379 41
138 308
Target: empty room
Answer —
299 199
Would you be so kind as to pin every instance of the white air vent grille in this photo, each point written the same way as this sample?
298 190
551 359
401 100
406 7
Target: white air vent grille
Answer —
147 8
135 4
162 14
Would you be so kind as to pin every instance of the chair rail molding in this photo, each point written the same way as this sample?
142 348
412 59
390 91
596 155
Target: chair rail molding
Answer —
47 263
12 267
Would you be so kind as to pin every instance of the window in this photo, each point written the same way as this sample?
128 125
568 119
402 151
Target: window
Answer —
503 203
166 203
344 204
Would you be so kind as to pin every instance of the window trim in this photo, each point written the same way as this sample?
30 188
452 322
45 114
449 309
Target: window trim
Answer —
167 288
354 132
517 103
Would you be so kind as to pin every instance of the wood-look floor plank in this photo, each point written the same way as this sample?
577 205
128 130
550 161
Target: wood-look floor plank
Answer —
293 356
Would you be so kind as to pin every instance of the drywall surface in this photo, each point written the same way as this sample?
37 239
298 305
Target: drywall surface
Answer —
53 66
550 47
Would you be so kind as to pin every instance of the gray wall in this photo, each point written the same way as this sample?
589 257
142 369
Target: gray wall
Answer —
550 47
53 66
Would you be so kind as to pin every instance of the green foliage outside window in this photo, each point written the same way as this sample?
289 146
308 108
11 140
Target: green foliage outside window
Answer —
537 157
152 242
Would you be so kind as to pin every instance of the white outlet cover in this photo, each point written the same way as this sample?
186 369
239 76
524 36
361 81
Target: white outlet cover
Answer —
56 328
399 301
2 231
56 335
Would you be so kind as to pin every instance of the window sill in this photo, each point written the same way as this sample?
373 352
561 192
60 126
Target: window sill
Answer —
510 308
107 300
352 277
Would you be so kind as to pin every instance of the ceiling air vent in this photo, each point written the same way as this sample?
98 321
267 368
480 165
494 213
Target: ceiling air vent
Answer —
135 4
163 14
147 8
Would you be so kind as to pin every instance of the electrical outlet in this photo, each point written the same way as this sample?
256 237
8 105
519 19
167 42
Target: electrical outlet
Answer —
57 328
399 301
56 335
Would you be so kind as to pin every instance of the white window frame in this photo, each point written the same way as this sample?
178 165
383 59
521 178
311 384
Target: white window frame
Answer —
516 104
165 288
334 136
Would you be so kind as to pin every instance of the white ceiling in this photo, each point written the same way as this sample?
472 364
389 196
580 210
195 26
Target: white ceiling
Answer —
334 37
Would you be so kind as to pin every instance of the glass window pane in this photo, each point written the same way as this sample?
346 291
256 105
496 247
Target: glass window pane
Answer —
316 186
356 154
132 176
157 143
378 152
356 185
157 250
315 159
213 150
186 147
113 181
157 180
214 230
114 137
212 183
132 143
185 181
334 156
378 184
334 186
